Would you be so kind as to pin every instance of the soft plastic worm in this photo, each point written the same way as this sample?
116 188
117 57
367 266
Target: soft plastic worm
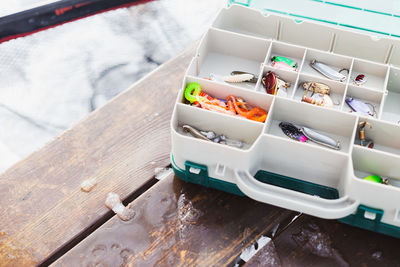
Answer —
320 138
192 90
255 114
327 71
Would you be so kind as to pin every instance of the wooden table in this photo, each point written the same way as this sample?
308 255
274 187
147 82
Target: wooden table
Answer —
46 219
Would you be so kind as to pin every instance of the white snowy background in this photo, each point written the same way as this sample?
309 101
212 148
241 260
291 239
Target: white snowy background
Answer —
52 79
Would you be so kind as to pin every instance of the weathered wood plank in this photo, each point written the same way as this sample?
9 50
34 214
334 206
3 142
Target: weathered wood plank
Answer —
41 205
178 224
310 241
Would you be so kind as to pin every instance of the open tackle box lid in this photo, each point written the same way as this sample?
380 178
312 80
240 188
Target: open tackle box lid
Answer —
376 17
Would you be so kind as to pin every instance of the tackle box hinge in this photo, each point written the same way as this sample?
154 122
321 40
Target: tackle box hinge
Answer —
196 173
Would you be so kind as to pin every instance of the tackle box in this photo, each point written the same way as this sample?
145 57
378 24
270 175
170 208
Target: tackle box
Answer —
271 167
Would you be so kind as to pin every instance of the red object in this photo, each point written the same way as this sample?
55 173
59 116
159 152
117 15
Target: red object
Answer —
65 14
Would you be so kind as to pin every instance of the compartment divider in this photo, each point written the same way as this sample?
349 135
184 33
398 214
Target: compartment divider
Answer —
385 84
240 34
296 85
385 90
303 60
353 138
268 53
347 84
385 94
260 76
379 152
268 121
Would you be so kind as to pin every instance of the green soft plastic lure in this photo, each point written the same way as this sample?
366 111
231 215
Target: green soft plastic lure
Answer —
192 90
286 60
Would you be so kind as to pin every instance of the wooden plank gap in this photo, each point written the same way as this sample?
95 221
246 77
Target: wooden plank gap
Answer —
86 232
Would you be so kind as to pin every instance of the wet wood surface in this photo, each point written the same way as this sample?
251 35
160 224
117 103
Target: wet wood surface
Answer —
43 211
178 224
41 205
311 241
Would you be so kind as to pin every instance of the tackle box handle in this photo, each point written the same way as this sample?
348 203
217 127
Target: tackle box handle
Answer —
294 200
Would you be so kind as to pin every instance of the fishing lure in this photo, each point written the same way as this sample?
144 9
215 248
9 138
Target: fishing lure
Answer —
243 109
360 106
292 131
241 76
285 60
195 96
320 94
320 138
303 134
317 87
211 136
319 100
360 79
376 179
328 71
191 91
194 132
216 105
274 85
363 140
282 66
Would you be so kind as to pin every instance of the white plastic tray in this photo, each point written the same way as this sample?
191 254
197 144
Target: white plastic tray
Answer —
244 39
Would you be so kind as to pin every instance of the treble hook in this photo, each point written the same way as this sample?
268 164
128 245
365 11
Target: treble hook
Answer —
363 124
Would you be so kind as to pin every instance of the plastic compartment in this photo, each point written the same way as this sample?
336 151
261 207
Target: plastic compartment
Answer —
247 21
287 76
361 45
222 52
222 91
339 126
306 163
367 162
292 52
337 89
334 61
189 149
384 135
306 33
218 123
375 74
385 197
391 108
371 97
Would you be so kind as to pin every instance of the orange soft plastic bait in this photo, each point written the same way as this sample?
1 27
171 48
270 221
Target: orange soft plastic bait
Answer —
254 114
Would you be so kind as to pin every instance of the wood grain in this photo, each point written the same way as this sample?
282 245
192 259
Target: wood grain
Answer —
178 224
41 205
